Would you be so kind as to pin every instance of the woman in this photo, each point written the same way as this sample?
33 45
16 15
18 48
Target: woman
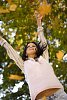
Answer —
38 72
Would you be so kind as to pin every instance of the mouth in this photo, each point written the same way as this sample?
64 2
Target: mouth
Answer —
31 49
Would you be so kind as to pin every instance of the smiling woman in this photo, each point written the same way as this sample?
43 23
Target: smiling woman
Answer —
39 74
32 49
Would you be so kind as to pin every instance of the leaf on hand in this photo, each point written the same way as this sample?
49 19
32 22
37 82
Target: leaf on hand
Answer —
44 8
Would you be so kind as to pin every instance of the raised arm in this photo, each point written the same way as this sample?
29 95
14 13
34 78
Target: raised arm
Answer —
41 37
12 53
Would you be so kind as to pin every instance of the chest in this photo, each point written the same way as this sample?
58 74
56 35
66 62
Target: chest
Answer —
39 67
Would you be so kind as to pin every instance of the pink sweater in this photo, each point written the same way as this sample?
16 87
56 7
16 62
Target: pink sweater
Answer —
40 78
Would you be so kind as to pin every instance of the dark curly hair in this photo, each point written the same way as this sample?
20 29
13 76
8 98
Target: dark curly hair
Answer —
39 51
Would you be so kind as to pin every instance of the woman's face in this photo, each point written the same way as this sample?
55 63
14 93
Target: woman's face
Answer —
31 49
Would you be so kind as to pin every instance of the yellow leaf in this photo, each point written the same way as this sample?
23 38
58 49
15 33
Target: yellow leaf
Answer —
12 7
4 10
15 77
60 55
44 9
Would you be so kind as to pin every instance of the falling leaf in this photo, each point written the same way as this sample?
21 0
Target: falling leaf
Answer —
44 9
15 77
2 10
12 7
60 55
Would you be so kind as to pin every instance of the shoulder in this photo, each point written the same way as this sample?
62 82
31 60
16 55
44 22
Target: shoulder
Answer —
41 58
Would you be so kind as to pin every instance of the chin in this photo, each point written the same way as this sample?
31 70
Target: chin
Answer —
31 53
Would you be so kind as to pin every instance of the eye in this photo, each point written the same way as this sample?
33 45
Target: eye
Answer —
28 46
31 46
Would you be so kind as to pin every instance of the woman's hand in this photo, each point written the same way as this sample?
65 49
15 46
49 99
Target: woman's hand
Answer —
38 18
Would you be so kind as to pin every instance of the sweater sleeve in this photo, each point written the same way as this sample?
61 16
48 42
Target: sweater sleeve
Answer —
43 42
12 53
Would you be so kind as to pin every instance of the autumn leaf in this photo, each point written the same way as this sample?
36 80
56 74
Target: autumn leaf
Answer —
7 10
60 55
12 7
2 10
44 9
15 77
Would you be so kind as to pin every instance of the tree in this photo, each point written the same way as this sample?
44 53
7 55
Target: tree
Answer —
18 26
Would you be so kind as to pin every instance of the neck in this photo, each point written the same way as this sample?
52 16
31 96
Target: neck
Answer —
32 56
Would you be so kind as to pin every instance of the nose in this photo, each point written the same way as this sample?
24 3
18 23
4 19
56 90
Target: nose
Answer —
30 46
